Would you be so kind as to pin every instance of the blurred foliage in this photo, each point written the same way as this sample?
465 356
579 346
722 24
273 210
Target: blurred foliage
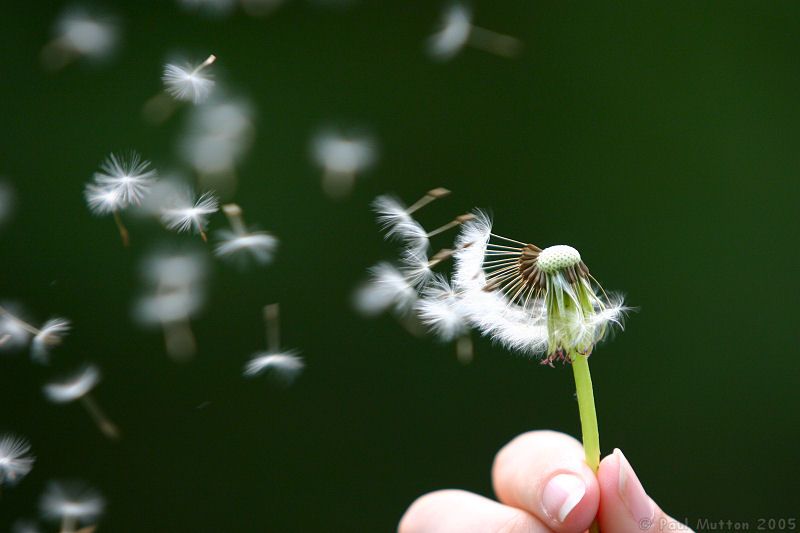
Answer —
659 139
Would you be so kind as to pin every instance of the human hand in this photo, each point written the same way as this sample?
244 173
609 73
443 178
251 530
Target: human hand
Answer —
543 485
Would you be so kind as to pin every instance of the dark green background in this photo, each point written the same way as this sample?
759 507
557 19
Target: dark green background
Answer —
660 139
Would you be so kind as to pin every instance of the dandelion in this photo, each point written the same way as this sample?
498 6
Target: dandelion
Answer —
16 332
78 387
190 214
72 503
342 156
284 366
15 459
80 33
241 243
542 301
458 31
175 293
123 180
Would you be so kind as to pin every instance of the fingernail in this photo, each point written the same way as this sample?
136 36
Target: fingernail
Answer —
561 494
632 493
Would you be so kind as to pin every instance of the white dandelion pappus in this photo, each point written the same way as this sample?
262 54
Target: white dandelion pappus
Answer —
342 156
15 459
440 310
73 387
387 289
102 200
127 175
241 243
71 502
79 33
49 336
458 31
188 214
14 332
396 222
78 387
189 83
283 366
454 32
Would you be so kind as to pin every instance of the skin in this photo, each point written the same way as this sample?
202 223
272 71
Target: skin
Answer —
520 474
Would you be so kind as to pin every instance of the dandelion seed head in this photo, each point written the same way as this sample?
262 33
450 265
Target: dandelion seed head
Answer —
73 387
71 499
50 335
188 82
15 459
530 299
454 32
284 367
188 214
558 257
128 176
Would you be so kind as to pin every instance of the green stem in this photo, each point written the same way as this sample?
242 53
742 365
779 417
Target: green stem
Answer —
583 387
589 432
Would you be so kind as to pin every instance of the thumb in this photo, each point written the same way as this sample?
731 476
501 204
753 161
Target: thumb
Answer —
624 505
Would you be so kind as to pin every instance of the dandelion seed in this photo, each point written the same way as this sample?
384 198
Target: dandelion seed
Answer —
15 459
79 387
342 156
80 33
217 136
129 176
15 333
49 336
122 181
458 31
387 289
240 243
72 503
282 366
176 293
189 82
190 214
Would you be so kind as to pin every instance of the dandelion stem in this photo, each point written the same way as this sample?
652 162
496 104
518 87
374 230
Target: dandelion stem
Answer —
589 432
430 196
465 350
203 236
493 42
106 426
234 214
123 231
68 523
209 60
271 319
21 323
